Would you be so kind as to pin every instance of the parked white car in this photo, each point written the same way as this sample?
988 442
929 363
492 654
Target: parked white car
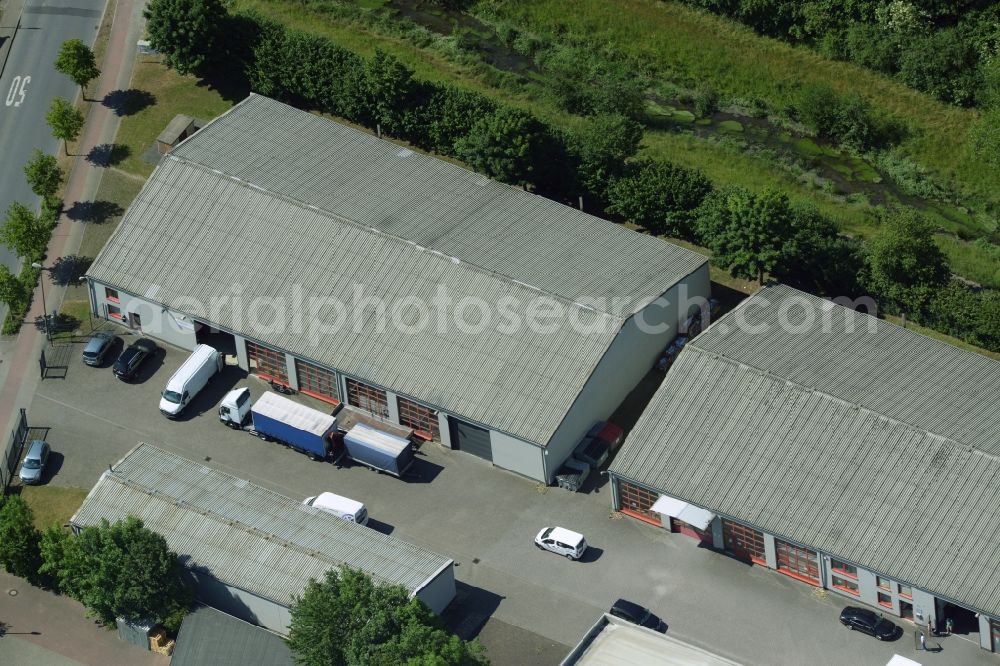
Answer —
562 542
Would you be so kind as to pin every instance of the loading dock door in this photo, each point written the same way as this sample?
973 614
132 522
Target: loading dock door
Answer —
471 439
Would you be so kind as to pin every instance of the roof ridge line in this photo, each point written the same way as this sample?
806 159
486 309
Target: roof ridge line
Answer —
123 479
399 239
890 419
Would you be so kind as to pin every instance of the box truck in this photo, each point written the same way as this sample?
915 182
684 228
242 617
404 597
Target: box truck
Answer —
278 419
203 364
378 450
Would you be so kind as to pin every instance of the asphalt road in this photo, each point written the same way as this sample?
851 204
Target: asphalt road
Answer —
535 605
29 84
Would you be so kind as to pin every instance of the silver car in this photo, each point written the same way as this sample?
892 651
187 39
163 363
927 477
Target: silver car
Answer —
97 347
34 462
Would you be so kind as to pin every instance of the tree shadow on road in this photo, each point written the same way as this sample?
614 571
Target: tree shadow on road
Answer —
94 212
108 154
69 269
128 102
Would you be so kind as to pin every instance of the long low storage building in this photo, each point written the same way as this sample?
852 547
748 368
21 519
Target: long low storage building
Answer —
835 448
249 550
485 317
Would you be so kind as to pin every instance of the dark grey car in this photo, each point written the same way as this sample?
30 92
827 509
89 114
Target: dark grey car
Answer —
34 462
97 347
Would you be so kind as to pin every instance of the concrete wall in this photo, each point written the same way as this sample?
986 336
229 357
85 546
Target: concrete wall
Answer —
517 455
632 354
171 327
438 592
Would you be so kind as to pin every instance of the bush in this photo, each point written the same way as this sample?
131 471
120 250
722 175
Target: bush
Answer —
506 145
602 146
184 31
706 101
970 315
944 63
984 138
659 196
849 120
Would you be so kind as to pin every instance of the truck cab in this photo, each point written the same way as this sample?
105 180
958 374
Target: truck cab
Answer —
234 410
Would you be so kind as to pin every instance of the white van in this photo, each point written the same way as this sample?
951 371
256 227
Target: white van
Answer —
203 363
342 507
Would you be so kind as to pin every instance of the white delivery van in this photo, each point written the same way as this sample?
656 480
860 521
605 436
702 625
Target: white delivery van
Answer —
342 507
203 363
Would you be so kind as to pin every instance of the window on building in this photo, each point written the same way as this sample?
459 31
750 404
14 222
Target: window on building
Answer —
419 417
845 584
114 312
844 569
797 562
905 610
885 599
905 591
368 398
317 382
267 363
636 501
111 295
744 542
883 583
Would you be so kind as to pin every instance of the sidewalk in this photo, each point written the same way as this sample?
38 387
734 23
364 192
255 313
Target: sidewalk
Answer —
19 357
51 629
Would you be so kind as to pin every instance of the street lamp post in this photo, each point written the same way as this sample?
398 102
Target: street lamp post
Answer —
45 310
90 313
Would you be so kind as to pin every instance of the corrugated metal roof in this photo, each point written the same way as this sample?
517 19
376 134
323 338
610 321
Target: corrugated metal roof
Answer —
347 172
762 446
245 535
212 638
201 237
865 361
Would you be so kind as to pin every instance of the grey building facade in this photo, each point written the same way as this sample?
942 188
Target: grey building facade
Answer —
323 253
835 448
247 550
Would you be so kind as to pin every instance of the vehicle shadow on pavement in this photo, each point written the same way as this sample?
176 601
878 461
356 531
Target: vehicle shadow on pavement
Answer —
379 526
592 554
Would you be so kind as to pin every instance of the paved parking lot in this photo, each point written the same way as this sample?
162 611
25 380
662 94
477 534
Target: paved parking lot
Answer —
536 603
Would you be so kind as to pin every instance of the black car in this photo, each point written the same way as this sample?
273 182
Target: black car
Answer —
870 622
636 614
130 359
97 346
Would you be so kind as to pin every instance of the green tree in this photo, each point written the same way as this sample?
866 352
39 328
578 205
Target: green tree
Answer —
77 61
184 31
65 120
816 258
904 266
348 619
603 145
43 174
55 548
505 145
389 85
19 540
12 290
120 570
745 231
24 232
659 196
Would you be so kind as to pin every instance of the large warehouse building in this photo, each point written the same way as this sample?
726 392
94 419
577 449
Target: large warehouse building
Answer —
266 221
249 550
835 448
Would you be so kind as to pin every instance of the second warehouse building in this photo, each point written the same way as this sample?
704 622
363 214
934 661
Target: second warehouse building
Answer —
265 222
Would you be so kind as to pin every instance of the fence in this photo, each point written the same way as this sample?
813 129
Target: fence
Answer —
12 454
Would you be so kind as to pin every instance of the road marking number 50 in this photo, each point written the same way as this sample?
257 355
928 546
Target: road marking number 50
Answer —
16 91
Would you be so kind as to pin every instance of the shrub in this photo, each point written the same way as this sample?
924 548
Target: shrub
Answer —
602 146
984 138
706 101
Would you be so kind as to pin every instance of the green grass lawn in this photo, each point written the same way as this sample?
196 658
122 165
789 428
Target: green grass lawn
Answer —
174 93
52 504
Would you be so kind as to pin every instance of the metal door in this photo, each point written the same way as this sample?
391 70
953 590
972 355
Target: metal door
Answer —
471 439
